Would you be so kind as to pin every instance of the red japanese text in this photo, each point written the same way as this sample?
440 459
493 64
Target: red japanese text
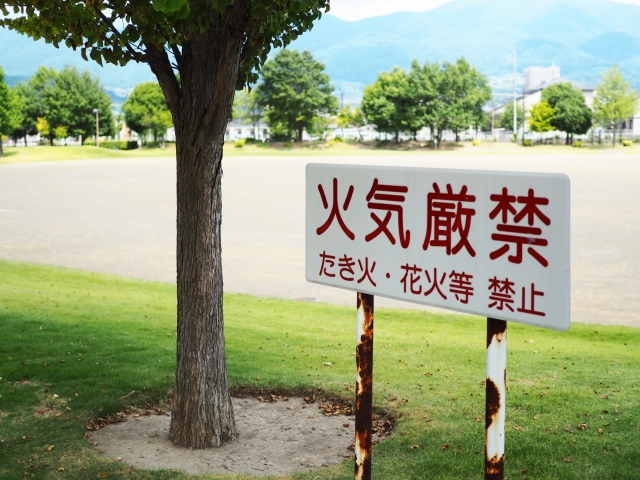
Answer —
335 209
446 215
391 194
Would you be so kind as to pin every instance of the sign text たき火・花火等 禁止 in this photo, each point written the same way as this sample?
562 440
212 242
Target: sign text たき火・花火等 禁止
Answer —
494 244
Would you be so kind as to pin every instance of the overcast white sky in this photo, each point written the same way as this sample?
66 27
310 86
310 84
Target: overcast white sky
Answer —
359 9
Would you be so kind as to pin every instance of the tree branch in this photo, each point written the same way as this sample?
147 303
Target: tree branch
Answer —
246 52
178 56
115 31
160 65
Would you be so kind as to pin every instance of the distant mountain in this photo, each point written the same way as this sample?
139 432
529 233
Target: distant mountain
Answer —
20 57
583 37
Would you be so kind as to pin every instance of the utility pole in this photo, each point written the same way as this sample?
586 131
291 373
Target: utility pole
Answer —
493 119
95 110
524 115
515 114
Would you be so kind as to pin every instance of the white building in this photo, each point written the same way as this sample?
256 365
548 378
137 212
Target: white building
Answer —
237 130
538 76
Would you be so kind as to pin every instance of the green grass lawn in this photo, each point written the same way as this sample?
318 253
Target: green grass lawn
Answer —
46 154
88 344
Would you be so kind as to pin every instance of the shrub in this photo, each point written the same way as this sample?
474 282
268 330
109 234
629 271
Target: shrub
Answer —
627 143
526 142
241 143
577 143
476 142
118 144
89 143
337 139
287 144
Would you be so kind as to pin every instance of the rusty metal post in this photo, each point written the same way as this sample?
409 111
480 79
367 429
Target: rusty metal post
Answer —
496 399
364 387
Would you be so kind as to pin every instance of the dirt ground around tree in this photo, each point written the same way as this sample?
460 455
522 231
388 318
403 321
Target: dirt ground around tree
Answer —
275 438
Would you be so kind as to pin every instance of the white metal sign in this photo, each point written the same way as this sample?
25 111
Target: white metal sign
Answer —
494 244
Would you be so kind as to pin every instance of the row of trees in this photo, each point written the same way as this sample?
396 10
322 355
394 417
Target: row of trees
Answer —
61 104
442 97
563 107
295 95
56 104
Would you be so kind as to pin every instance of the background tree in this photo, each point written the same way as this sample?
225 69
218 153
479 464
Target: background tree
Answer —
570 111
247 109
71 101
215 46
34 97
615 101
505 118
10 116
60 133
66 98
465 92
295 91
349 117
146 110
541 117
427 104
43 128
448 97
387 104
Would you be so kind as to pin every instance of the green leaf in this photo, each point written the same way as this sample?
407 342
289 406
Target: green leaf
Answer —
170 6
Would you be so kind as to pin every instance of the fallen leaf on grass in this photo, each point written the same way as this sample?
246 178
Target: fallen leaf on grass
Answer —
61 469
415 447
48 448
566 459
445 447
478 419
59 414
118 459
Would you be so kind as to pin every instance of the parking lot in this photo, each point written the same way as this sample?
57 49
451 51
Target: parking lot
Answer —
118 216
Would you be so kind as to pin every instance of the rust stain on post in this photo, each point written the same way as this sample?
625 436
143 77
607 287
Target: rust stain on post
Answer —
496 404
364 387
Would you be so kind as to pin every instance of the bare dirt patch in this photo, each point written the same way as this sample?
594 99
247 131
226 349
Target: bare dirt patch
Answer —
276 438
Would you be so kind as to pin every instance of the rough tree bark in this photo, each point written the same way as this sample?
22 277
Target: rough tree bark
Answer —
202 413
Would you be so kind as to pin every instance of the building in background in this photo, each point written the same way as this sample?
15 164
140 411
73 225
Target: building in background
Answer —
539 76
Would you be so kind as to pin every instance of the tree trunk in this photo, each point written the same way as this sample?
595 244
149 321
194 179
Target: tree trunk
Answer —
202 412
615 127
397 137
1 150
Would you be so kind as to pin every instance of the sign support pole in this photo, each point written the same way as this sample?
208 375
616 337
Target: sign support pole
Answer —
496 399
364 387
